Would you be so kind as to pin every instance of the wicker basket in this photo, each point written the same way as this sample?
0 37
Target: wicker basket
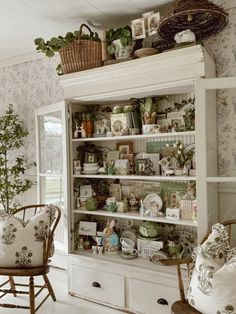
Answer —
81 55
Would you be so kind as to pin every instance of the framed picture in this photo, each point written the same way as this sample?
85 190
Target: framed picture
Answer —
113 155
153 22
101 126
115 190
124 148
138 28
90 158
87 228
85 191
145 16
121 167
119 123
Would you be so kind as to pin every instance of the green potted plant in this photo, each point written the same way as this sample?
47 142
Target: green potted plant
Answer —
63 45
119 41
12 165
102 191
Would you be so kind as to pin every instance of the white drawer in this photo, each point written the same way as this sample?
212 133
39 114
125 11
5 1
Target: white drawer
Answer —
98 285
144 297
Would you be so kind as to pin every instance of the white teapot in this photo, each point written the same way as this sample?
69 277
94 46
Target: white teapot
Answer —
186 36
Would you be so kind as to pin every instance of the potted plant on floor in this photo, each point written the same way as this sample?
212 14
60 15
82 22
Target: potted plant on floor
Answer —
119 41
12 165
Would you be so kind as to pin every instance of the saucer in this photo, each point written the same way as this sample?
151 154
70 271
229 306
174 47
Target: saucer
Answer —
90 172
128 256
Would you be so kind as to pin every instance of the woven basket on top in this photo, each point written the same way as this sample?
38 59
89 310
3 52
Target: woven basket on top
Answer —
81 55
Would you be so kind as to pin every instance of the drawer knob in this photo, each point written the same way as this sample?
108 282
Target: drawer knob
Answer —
96 284
162 301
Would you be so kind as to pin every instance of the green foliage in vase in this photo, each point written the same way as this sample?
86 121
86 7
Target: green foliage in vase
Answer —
12 183
181 154
123 33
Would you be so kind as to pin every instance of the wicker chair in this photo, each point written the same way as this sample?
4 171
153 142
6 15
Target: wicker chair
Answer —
182 306
31 272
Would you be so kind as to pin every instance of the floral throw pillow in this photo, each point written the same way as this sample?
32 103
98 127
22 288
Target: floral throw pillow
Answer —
212 289
21 242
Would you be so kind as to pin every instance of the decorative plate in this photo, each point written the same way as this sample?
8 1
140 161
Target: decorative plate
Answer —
145 52
188 240
153 202
130 234
155 258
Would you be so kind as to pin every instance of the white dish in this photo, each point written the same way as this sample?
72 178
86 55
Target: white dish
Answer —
89 164
153 202
90 172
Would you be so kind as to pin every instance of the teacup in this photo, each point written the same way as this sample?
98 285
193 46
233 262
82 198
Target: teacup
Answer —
127 243
129 251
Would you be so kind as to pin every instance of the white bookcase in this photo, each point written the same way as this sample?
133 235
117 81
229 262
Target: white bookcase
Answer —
137 285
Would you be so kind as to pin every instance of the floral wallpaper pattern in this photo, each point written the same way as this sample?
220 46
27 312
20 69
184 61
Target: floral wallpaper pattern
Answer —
34 84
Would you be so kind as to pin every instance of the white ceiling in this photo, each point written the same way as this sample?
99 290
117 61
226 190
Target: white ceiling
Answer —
23 20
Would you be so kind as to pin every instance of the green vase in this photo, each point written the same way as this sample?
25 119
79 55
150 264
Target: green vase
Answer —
91 203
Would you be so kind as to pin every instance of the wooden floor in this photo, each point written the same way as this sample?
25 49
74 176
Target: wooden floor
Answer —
65 304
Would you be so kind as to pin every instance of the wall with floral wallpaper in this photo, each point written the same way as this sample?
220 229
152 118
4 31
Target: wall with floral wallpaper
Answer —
34 84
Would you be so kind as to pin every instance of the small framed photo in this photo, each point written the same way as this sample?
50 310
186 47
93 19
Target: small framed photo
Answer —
87 228
115 191
153 23
113 155
124 147
90 157
86 191
138 28
121 167
173 213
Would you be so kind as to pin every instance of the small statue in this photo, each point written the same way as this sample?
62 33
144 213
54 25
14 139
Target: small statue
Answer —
110 241
186 36
133 200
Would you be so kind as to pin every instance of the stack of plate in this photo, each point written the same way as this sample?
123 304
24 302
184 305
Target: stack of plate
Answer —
90 168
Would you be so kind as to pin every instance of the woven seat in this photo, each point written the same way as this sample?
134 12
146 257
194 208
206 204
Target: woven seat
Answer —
10 286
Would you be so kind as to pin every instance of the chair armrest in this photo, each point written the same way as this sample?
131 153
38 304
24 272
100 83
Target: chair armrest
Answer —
178 261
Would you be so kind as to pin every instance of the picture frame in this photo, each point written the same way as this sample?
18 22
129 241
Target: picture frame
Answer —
90 158
119 124
121 167
153 21
173 213
86 191
124 148
138 28
113 155
115 191
87 228
101 126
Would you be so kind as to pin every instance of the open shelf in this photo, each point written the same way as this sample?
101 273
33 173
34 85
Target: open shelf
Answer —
136 177
138 262
134 137
136 216
221 179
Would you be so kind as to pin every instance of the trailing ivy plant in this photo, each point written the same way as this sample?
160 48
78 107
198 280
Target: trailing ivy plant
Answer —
12 183
53 45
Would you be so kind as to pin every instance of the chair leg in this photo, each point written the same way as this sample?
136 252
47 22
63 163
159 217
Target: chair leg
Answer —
12 284
50 289
31 295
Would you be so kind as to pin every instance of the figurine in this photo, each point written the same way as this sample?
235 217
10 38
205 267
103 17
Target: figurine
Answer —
110 241
166 164
186 36
142 209
133 200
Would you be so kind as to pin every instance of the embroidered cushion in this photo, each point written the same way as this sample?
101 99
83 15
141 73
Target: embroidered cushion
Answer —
21 242
212 288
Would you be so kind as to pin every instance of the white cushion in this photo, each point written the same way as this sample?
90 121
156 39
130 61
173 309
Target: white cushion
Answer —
21 243
212 289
